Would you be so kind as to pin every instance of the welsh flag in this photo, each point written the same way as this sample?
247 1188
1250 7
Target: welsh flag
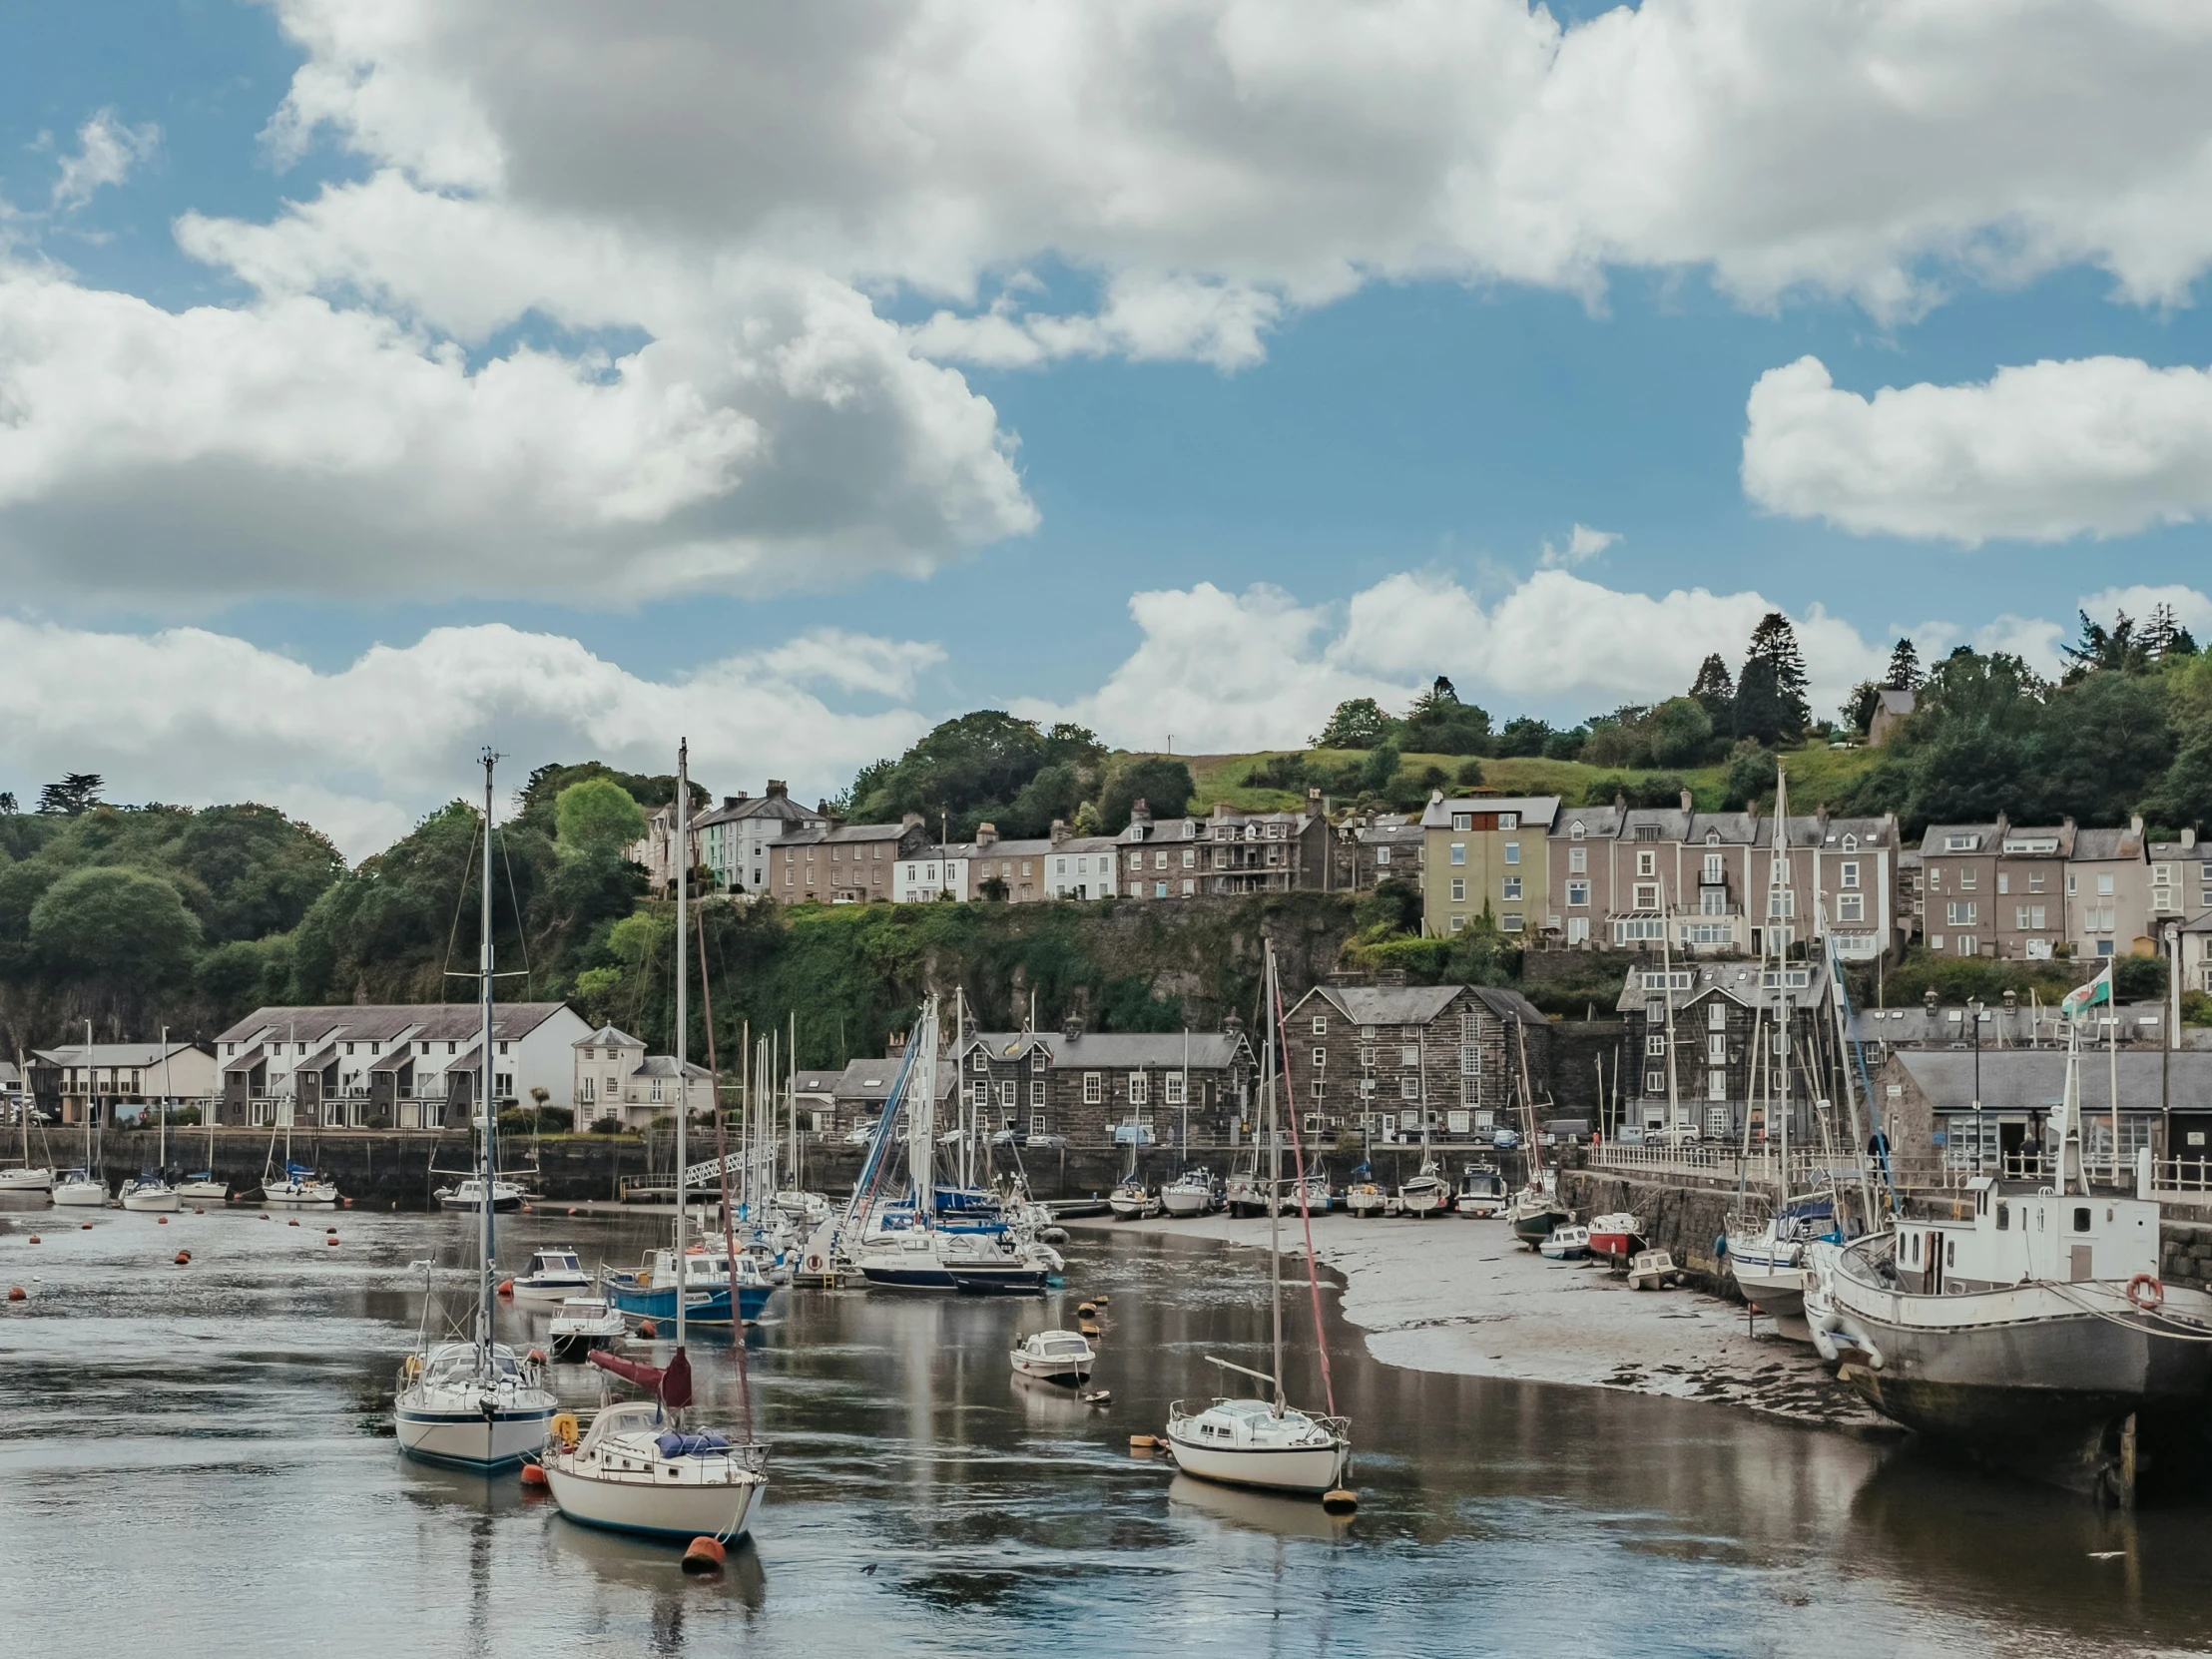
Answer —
2084 998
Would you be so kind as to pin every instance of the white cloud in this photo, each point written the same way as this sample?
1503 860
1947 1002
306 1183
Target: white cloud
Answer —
1230 672
105 152
194 717
1584 545
2100 447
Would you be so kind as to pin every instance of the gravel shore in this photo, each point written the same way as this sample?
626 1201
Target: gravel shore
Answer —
1458 1296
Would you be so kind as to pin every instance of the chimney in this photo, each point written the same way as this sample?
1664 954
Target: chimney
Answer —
1072 1027
1312 803
778 789
1688 805
1231 1024
1140 811
1059 832
1390 978
986 834
731 800
2135 825
2189 836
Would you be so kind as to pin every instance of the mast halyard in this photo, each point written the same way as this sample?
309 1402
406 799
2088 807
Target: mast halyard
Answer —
486 1300
683 1024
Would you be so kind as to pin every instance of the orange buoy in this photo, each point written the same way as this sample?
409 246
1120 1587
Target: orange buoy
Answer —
196 1210
34 1237
526 1209
86 1228
16 1292
506 1286
533 1474
349 1204
648 1330
182 1256
162 1220
572 1209
1339 1501
331 1241
703 1555
295 1222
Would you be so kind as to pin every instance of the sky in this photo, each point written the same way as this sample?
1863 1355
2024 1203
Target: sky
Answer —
383 380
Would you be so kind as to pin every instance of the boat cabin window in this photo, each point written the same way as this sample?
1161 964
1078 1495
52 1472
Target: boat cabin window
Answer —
1951 1253
2005 1217
2082 1221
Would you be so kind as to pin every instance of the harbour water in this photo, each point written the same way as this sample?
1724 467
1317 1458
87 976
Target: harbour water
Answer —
197 1459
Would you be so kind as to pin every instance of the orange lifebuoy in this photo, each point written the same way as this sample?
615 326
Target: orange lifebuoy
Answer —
2145 1291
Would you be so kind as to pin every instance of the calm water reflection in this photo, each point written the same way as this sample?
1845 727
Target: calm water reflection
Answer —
195 1458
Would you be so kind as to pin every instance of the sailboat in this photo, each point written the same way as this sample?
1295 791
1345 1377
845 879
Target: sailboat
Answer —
301 1188
82 1186
640 1469
200 1185
152 1191
475 1404
1430 1192
26 1177
1253 1441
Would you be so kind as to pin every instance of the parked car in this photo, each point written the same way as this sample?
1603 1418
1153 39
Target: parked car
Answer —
1685 1135
1010 1136
861 1134
1048 1140
1505 1140
1629 1134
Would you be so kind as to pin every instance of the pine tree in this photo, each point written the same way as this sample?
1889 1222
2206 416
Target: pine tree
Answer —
1771 703
76 793
1905 667
1715 689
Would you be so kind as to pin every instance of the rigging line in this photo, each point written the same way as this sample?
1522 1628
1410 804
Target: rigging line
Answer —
460 897
1305 1214
523 933
721 1160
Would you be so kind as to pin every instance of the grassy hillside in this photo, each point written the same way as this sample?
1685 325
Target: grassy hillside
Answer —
1818 773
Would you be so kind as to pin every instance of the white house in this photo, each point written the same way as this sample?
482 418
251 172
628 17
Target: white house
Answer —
732 840
397 1066
123 1077
1082 867
615 1078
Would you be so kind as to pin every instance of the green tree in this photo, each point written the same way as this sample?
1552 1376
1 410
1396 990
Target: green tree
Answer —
1903 673
1681 732
1770 692
1715 689
114 929
1357 724
1439 723
1523 734
1161 781
78 792
1380 768
598 816
1857 709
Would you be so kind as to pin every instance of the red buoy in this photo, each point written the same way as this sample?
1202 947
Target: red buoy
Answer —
182 1256
506 1286
16 1292
332 1240
162 1220
85 1228
533 1474
295 1222
34 1237
703 1555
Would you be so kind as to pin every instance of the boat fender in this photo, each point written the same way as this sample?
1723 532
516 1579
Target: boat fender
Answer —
645 1279
411 1366
331 1241
1143 1443
702 1555
1340 1502
506 1286
2145 1291
34 1237
648 1330
85 1228
1720 1247
564 1428
533 1474
536 1357
295 1222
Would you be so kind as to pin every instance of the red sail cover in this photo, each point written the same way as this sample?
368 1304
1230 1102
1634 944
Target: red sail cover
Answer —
671 1384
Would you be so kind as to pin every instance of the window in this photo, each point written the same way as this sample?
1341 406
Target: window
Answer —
1967 879
1512 887
980 1062
1956 914
1655 1082
1458 852
1508 821
1036 1092
1459 890
1381 854
1656 1045
1632 930
1410 1054
1140 1088
1578 860
1093 1088
1190 859
1136 860
2104 887
1458 923
1969 945
1574 832
2035 881
1716 1085
1037 1060
1462 821
1006 1097
1321 1060
2005 882
1578 894
1170 1088
1851 843
1715 870
1647 896
2028 918
1512 852
1712 901
1189 888
1716 1016
1851 906
1647 863
1160 859
1321 1025
1513 922
1847 872
1409 1088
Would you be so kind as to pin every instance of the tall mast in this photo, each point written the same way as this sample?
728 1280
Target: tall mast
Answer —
486 1302
162 1155
1779 883
1275 1193
92 1095
683 1020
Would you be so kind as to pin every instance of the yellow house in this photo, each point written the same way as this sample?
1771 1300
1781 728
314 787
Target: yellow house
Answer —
1490 850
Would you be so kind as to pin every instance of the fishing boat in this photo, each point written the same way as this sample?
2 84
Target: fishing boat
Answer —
1263 1443
475 1404
2036 1331
1770 1262
1309 1193
1482 1192
1651 1270
641 1467
1133 1201
708 1276
1193 1193
1535 1212
81 1187
1565 1244
469 1194
585 1322
1053 1357
552 1274
1619 1234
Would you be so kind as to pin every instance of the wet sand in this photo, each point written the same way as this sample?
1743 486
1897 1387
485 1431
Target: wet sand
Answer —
1465 1297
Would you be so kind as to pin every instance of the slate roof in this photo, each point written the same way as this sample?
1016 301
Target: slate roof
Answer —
2018 1080
380 1023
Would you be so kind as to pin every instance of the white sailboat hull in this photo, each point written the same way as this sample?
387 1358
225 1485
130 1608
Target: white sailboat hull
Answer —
86 1193
204 1191
668 1511
305 1198
469 1439
152 1199
1185 1201
1307 1470
26 1180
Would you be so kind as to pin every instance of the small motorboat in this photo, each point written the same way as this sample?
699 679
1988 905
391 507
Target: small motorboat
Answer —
1262 1443
1651 1270
1054 1357
553 1276
202 1188
27 1179
1426 1194
1131 1201
469 1194
1619 1234
1193 1193
1365 1198
81 1187
1566 1244
150 1193
584 1324
1482 1192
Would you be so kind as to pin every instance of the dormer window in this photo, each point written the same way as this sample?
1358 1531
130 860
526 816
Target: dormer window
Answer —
1851 843
1574 831
1712 838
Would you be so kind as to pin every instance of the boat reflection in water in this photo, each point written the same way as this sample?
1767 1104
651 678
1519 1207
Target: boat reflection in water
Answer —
1252 1510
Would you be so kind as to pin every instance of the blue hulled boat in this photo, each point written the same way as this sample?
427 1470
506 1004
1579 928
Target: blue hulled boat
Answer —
650 1292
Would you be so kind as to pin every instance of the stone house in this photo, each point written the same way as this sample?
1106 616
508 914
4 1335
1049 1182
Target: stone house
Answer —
848 865
1087 1086
1711 1037
1387 1058
1377 848
1892 707
1226 854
